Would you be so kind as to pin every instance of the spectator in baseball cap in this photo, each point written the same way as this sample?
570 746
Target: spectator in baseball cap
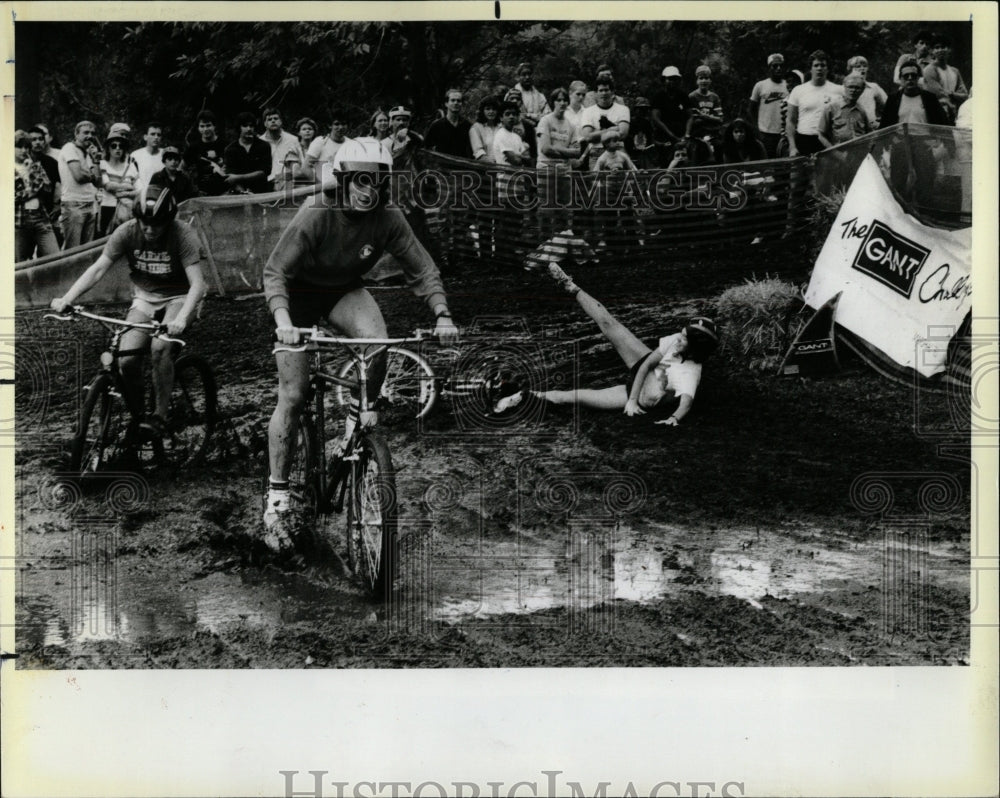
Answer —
767 104
171 176
671 109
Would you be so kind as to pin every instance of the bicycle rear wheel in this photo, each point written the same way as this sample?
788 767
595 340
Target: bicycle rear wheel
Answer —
192 415
101 428
371 516
409 389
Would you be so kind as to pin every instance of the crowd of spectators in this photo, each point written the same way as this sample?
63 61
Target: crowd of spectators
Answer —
69 196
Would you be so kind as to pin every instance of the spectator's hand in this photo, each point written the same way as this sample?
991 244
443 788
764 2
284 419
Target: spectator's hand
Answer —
632 408
59 304
287 335
445 330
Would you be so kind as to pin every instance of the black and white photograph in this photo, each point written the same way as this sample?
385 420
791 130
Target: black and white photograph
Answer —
421 345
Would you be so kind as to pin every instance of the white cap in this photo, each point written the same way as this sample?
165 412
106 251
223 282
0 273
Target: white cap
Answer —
671 72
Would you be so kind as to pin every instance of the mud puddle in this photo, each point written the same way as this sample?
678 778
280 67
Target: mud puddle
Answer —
584 568
137 608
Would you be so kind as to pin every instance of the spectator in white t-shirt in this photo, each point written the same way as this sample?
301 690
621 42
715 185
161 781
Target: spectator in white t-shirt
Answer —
149 159
80 175
281 141
319 157
768 100
807 107
603 120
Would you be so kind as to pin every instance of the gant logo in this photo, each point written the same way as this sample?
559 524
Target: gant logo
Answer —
890 258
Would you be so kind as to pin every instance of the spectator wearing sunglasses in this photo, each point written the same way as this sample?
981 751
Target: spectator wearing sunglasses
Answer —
911 103
119 174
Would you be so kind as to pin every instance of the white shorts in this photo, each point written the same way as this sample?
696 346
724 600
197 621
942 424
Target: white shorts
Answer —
165 307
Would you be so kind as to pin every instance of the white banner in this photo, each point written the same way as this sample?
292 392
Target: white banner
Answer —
906 287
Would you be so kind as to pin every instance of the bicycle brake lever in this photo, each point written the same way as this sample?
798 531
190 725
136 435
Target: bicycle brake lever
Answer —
161 333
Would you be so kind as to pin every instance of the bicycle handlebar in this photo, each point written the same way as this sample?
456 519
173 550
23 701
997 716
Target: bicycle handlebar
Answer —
316 335
154 328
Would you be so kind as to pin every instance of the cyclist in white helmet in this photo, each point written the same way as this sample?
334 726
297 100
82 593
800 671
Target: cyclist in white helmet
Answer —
164 260
314 276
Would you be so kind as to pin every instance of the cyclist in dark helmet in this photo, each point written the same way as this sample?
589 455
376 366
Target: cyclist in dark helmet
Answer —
314 277
167 285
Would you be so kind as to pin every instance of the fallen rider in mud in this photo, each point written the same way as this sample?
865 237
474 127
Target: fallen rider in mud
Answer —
672 370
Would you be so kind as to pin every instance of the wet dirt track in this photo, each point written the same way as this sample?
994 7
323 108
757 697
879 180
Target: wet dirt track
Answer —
552 537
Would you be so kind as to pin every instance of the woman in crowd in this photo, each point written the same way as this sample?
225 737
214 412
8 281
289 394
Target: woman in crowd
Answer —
379 125
670 372
32 227
306 129
119 173
483 129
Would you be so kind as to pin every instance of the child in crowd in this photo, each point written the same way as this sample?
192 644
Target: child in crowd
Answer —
615 159
706 109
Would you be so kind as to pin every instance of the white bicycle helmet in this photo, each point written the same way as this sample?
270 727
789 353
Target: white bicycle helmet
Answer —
366 165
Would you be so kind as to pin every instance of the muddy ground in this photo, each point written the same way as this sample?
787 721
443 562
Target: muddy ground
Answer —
788 521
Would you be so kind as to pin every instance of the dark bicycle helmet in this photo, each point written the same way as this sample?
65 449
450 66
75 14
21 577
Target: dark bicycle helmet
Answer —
155 205
703 338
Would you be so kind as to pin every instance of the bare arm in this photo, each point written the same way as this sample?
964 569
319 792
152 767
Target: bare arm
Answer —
91 277
194 295
791 123
80 175
546 147
632 405
683 408
825 130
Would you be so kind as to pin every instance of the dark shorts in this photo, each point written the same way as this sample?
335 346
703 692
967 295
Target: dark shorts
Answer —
808 145
311 304
630 381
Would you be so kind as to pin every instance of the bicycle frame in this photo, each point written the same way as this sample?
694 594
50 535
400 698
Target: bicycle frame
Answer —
117 328
362 352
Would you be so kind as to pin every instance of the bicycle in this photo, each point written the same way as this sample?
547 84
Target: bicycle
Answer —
106 431
412 387
324 477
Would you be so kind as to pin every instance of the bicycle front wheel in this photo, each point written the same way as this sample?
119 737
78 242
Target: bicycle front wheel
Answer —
409 388
192 414
371 516
101 428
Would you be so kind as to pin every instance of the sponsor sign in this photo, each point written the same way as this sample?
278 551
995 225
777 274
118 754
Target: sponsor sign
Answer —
890 258
900 281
